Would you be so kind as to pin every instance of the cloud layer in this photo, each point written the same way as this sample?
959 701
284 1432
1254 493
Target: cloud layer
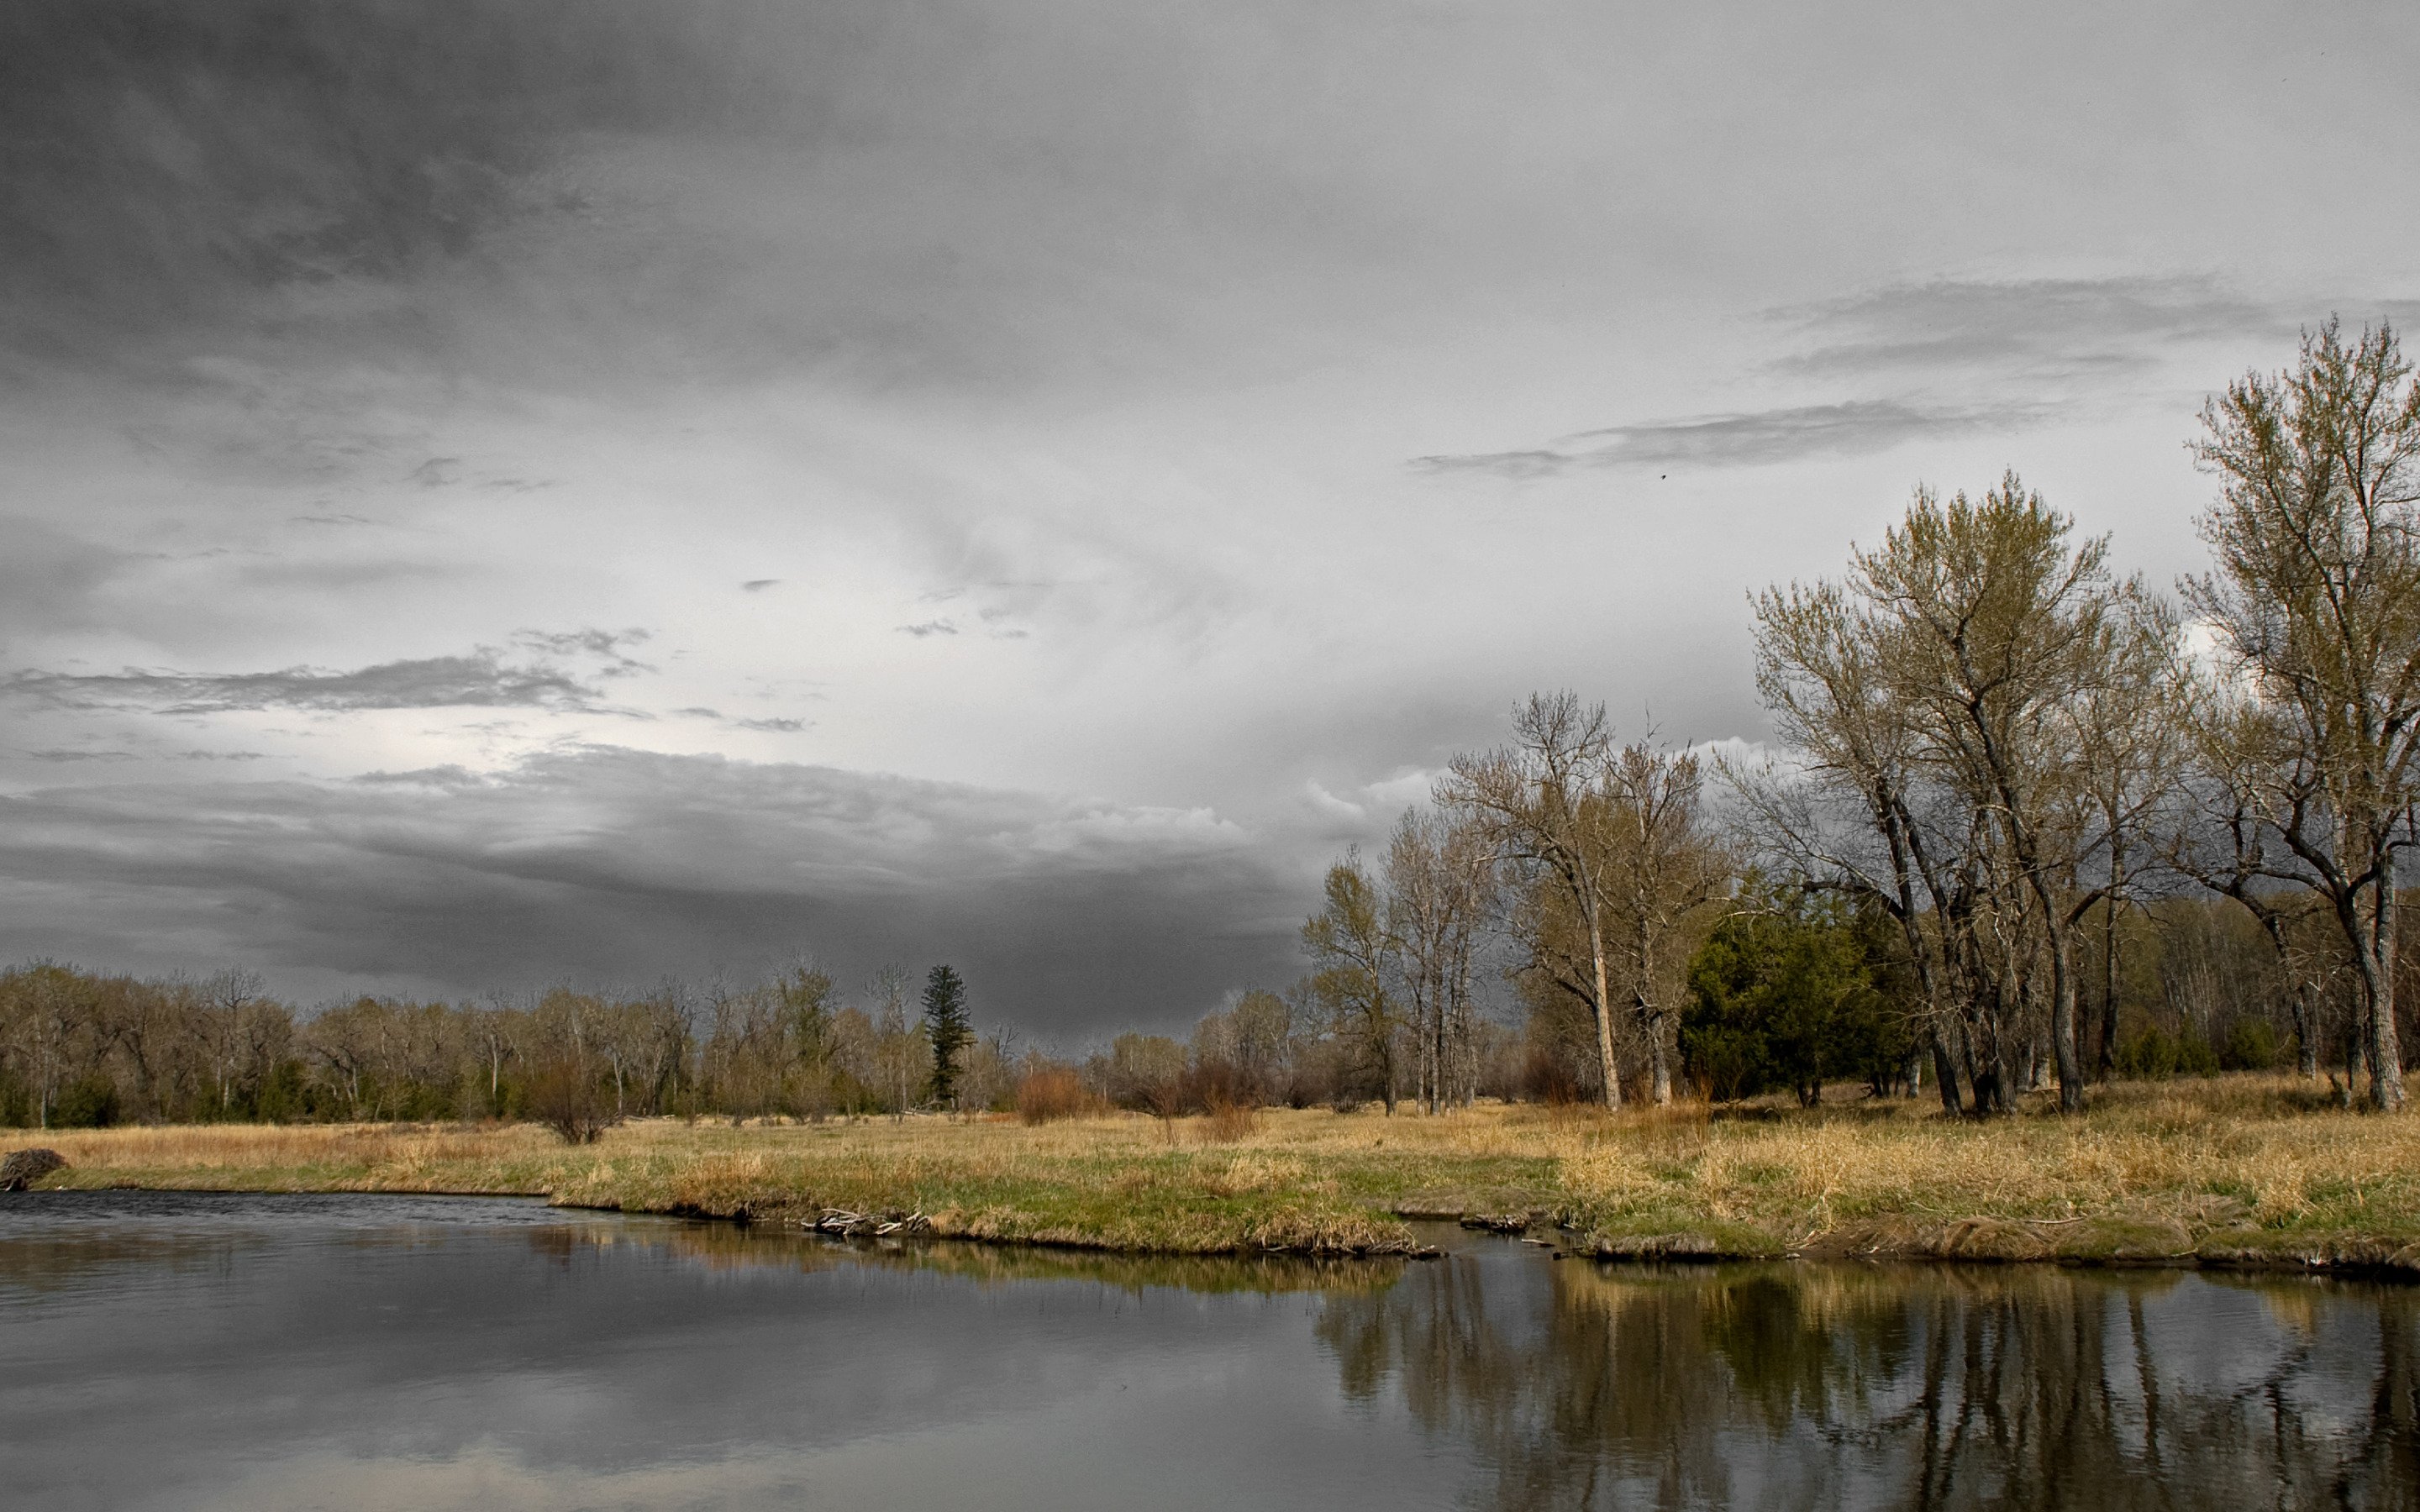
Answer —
610 865
1763 438
987 400
478 680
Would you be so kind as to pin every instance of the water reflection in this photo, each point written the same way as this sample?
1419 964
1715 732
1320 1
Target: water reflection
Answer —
1919 1388
270 1353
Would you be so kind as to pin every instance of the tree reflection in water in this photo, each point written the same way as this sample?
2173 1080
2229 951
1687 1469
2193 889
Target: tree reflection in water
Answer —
1826 1387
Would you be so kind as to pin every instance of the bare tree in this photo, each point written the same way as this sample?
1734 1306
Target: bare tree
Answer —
1541 804
1354 959
224 1000
2134 743
1852 808
492 1031
1958 691
1663 866
2000 629
903 1057
2315 606
1441 890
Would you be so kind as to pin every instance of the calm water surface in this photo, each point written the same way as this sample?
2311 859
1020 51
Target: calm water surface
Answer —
194 1352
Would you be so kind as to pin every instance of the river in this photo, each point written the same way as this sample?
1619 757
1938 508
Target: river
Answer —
372 1352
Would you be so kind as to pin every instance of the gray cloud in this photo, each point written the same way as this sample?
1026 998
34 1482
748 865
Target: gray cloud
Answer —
928 627
757 585
1748 439
778 726
2070 325
48 577
604 864
167 166
480 680
609 646
1952 332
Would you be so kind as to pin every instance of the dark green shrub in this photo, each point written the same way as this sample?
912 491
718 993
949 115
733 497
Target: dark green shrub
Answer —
2155 1055
89 1101
2251 1045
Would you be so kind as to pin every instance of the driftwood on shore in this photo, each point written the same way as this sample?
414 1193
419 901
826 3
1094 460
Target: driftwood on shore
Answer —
23 1167
868 1226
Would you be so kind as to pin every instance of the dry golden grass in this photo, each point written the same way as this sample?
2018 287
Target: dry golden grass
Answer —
1306 1181
2241 1169
2251 1170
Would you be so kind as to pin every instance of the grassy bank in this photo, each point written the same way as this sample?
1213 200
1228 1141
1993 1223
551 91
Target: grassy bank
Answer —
2240 1170
1300 1182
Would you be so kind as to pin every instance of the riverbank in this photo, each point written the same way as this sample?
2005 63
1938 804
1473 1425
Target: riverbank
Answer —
2238 1172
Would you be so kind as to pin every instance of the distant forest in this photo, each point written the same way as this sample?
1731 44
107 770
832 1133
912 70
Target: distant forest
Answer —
2030 825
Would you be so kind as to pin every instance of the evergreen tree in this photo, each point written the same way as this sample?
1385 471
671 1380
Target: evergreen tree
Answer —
946 1026
1790 989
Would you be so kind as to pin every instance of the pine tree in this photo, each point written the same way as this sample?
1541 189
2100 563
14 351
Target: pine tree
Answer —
946 1026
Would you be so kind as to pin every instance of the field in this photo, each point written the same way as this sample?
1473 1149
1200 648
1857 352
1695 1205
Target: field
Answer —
2238 1170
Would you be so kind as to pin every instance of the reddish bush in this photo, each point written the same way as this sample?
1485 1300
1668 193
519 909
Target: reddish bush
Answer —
1053 1092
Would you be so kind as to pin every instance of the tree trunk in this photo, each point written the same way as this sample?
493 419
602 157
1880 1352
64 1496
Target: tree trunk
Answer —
2385 1054
2306 1030
2106 1062
1945 1076
1661 1060
1603 1021
2062 1009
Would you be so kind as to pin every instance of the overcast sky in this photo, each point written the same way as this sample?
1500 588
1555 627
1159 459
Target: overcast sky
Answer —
509 493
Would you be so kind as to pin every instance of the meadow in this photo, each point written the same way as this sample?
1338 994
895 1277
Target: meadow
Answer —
2252 1170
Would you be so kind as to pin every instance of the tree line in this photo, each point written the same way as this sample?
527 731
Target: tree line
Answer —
2000 763
85 1048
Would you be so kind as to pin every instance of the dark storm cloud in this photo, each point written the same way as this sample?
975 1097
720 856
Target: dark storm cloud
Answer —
1750 440
575 193
589 864
481 680
167 164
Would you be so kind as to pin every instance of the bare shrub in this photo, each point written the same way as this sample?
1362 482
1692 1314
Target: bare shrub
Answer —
1227 1121
1053 1092
570 1099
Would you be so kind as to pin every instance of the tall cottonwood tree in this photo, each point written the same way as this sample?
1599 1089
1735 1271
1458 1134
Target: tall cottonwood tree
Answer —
2315 603
2228 846
2133 748
1957 689
1440 879
1542 803
1662 867
1354 962
2002 630
1852 810
902 1057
